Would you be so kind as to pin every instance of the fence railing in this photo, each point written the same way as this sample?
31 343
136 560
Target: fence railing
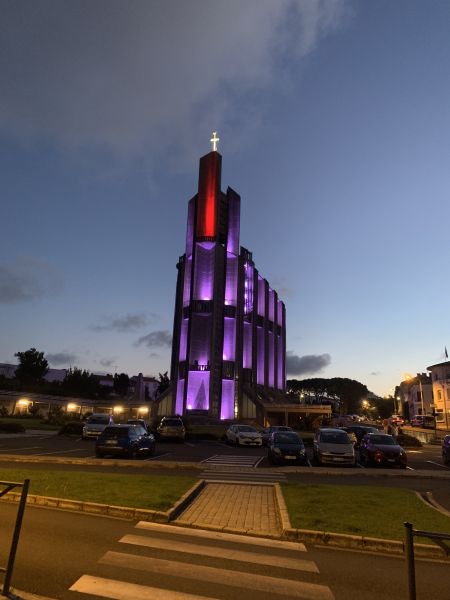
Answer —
5 487
410 532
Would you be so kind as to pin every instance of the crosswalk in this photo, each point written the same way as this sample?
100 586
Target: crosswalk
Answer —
228 467
166 562
230 460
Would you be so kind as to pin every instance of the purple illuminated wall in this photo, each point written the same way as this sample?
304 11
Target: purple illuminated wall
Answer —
271 343
229 338
179 400
231 280
187 281
234 212
227 407
247 350
280 363
204 271
198 391
183 339
200 339
248 289
261 297
271 305
260 356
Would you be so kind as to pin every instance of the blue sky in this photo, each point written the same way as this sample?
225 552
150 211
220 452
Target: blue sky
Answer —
333 120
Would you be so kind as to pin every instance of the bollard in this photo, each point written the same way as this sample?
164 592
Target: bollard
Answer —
411 569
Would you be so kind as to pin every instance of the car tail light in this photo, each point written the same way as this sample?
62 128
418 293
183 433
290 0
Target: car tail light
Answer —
378 456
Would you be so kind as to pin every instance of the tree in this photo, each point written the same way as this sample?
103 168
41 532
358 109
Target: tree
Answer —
32 366
121 384
163 383
348 392
81 383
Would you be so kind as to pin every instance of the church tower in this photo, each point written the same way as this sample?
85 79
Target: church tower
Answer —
229 332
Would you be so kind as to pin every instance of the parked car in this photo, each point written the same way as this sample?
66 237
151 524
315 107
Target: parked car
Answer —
333 446
267 432
130 441
446 450
425 421
286 447
381 449
397 420
171 428
139 422
359 431
96 424
243 435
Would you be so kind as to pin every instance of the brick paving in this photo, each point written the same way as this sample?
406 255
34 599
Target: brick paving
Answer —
235 507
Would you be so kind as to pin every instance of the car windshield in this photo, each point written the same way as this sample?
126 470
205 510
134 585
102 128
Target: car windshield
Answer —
98 420
286 438
171 423
334 437
385 440
116 432
246 429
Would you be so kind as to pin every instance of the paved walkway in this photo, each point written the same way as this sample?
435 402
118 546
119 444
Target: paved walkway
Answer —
251 508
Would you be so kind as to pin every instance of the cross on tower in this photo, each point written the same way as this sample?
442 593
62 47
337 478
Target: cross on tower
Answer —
214 141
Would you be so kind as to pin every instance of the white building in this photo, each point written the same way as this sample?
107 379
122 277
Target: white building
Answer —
440 378
416 396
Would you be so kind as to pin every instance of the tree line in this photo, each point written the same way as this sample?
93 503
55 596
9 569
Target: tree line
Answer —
81 383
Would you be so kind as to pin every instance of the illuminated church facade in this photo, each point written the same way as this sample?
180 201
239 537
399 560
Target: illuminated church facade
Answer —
229 329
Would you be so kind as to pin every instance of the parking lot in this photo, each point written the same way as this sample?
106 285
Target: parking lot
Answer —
209 452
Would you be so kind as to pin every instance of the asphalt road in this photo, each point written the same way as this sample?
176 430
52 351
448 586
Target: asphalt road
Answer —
59 550
48 444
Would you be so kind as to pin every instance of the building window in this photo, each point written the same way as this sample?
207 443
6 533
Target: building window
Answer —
439 415
448 393
439 395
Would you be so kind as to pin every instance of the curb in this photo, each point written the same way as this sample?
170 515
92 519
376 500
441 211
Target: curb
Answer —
123 512
362 543
19 595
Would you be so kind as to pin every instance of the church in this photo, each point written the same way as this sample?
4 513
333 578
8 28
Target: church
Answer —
229 329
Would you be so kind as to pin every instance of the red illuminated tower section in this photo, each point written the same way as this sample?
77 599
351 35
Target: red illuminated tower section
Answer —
208 195
229 342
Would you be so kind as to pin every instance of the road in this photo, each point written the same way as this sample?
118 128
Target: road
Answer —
60 550
47 444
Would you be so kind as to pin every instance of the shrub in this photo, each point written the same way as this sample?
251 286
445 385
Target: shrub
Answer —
408 440
72 428
12 428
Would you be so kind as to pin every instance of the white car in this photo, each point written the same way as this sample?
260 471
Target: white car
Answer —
96 424
243 435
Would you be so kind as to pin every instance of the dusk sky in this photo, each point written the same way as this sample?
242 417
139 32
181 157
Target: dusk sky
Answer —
334 126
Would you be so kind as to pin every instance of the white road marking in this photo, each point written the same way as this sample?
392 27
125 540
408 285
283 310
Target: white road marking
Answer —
225 553
121 590
262 583
219 535
57 452
189 444
20 449
159 456
209 458
437 464
260 460
410 468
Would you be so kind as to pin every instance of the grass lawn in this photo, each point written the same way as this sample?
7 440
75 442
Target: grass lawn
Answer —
156 492
30 423
360 510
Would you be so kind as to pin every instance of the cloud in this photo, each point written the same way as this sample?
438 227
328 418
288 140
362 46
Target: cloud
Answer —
375 373
129 322
107 362
142 76
158 339
61 358
308 364
27 279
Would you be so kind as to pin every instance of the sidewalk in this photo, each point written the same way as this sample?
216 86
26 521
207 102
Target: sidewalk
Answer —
235 507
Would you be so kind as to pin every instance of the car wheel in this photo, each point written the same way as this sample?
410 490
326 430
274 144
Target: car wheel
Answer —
132 454
236 442
446 459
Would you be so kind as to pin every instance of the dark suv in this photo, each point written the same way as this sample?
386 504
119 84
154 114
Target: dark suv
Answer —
129 441
171 428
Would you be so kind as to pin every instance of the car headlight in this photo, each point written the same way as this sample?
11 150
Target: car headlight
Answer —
277 451
301 452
